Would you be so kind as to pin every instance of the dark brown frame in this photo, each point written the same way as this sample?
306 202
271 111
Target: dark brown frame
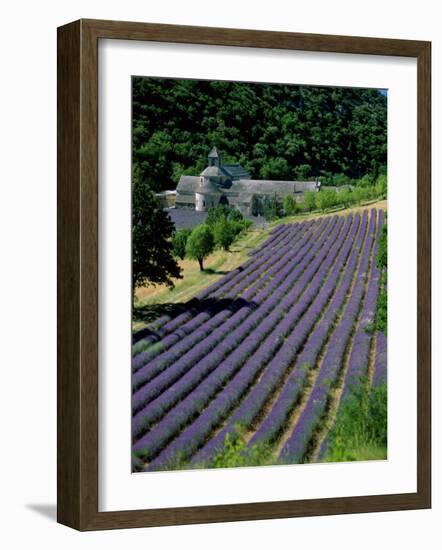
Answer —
78 274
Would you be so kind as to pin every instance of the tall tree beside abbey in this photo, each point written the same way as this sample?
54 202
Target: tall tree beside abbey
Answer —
276 131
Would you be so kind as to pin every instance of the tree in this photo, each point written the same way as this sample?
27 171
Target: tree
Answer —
179 241
366 181
345 197
200 244
241 227
370 192
290 205
381 186
272 207
216 213
366 193
223 233
235 215
358 195
275 168
310 200
326 199
303 171
152 229
339 180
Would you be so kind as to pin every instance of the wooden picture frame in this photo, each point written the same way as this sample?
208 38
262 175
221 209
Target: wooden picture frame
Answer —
77 461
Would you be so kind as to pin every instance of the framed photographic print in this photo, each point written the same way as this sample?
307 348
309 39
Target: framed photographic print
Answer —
244 274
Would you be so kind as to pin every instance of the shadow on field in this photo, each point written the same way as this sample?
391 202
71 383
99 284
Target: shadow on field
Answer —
150 312
211 271
211 306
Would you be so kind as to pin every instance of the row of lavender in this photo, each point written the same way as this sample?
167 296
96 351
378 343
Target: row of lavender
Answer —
287 311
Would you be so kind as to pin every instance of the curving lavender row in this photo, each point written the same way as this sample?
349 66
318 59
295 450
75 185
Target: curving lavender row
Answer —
175 330
380 364
265 320
274 239
360 352
297 444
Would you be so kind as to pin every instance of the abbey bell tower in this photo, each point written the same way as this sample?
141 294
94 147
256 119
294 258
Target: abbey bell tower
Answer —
214 157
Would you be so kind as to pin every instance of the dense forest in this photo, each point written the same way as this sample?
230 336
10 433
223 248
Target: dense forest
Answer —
275 131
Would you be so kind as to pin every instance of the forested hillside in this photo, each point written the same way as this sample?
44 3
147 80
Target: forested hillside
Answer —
274 131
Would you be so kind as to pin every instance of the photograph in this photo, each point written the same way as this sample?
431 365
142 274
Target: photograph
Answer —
259 274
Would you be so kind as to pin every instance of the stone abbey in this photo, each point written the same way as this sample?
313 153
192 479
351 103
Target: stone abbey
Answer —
231 184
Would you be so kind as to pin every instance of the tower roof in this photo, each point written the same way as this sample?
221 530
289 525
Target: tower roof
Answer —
214 153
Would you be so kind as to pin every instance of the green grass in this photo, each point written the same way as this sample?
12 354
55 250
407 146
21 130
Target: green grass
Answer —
234 454
360 429
363 452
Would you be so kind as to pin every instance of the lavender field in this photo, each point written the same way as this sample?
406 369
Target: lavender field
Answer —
260 362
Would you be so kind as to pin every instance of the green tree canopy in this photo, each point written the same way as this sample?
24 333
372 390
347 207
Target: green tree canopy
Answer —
235 215
310 200
200 244
274 130
152 229
326 199
216 213
179 242
345 197
358 195
223 233
290 205
272 207
381 185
